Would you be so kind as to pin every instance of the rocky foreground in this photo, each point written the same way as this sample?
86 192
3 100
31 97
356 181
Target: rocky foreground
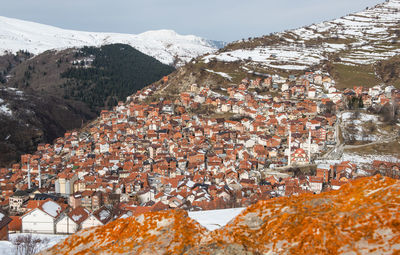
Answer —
363 217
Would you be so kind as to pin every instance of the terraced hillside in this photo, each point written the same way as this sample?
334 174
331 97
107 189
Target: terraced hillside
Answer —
348 47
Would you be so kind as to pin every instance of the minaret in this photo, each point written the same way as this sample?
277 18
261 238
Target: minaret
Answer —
290 147
40 176
29 177
309 145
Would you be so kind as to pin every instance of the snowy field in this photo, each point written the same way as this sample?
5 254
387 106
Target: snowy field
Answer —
364 117
367 33
7 248
360 132
215 219
360 160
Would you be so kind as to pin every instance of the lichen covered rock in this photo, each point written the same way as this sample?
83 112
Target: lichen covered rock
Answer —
363 217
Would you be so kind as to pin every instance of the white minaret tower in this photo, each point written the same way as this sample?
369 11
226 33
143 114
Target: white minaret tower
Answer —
29 176
290 147
309 145
40 176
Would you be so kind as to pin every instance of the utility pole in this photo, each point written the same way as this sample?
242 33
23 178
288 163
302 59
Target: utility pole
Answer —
309 146
29 176
40 175
290 147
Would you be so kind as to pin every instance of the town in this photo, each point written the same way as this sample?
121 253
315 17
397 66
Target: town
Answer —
204 149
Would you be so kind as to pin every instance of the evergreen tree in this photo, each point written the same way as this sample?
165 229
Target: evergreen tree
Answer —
117 71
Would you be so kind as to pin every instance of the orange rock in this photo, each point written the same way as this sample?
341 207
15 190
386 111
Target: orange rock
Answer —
363 217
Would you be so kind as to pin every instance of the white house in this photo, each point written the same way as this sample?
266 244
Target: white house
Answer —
70 223
285 87
66 225
315 184
146 196
104 147
42 217
98 218
312 93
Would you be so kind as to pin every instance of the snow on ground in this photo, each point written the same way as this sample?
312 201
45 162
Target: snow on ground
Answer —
225 75
367 33
360 159
7 248
5 110
348 118
299 58
364 117
163 45
214 219
367 159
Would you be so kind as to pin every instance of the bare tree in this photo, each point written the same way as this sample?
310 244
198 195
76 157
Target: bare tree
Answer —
370 126
390 113
351 132
356 114
28 244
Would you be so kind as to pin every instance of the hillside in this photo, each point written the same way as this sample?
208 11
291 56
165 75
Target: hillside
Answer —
61 90
362 217
165 45
29 118
348 48
98 77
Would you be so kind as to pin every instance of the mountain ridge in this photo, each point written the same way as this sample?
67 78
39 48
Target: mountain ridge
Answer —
348 48
36 38
355 29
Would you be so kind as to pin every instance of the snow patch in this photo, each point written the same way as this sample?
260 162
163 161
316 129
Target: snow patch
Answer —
52 208
5 110
225 75
76 218
366 33
104 214
214 219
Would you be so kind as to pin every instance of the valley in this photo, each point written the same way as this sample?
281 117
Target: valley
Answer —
129 143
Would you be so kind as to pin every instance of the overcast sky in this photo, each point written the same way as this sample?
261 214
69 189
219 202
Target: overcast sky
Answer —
225 20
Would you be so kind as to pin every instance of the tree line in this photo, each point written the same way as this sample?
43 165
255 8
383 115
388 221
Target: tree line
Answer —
117 71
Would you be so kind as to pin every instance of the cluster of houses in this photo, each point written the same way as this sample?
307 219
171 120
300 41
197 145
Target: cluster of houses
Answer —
170 154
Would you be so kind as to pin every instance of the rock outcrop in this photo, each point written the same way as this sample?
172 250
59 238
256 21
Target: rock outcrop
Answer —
363 217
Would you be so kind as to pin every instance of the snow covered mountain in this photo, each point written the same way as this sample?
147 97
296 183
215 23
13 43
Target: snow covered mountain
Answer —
357 39
165 45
